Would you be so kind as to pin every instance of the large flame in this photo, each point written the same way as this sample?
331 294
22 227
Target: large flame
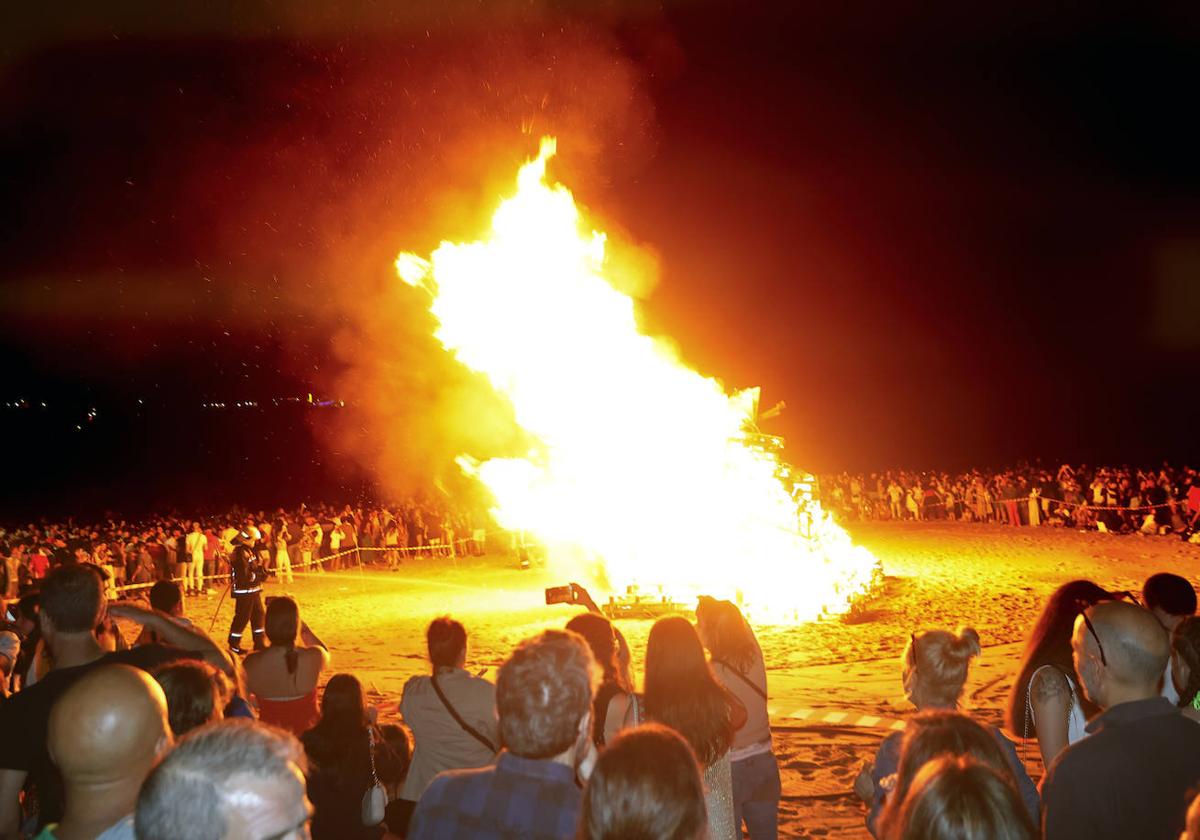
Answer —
640 465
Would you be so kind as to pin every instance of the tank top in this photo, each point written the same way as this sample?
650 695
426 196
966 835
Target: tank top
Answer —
604 694
295 714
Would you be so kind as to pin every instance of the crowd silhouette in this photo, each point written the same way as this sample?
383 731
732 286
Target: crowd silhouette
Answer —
161 732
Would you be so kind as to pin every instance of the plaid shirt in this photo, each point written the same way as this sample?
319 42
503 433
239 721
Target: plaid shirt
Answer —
516 798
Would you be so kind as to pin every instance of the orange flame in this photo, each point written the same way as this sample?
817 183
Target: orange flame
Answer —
641 464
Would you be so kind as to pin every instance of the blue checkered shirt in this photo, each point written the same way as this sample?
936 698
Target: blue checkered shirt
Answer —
515 798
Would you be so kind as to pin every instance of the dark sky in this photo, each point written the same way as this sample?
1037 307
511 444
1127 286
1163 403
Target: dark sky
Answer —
943 236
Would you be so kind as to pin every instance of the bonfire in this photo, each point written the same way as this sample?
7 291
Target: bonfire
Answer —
642 474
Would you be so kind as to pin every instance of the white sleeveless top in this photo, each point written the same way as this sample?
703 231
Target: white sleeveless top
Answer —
1075 718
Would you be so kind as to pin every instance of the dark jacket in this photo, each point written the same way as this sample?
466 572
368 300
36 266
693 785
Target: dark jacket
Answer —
1132 777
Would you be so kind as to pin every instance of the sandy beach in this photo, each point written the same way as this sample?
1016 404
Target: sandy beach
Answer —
834 684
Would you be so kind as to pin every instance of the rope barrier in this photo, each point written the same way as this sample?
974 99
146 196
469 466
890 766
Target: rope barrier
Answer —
1063 502
433 549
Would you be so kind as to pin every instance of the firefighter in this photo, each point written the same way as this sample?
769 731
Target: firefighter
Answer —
246 576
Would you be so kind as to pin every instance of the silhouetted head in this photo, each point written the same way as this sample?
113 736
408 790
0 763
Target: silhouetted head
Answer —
956 798
935 666
232 779
544 695
447 640
109 727
646 784
1120 650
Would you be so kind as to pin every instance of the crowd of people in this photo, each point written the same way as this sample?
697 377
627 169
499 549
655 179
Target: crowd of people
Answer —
120 719
1107 691
1163 500
197 549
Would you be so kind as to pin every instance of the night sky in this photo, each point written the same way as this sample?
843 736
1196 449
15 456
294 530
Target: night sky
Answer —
945 238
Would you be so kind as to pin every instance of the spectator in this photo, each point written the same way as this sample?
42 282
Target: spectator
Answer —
645 784
39 563
544 701
737 661
226 780
956 798
105 734
10 649
310 543
935 667
72 602
192 560
613 695
440 708
339 760
399 811
942 732
196 693
283 561
177 638
1133 776
1045 699
165 598
1172 599
283 678
1185 666
28 628
682 693
335 545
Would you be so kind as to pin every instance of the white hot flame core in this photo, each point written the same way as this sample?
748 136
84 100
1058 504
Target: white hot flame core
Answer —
641 464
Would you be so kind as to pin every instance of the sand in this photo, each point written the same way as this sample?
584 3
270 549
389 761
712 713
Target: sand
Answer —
825 677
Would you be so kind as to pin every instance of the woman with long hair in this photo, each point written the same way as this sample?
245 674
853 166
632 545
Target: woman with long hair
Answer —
283 678
1185 665
610 703
958 798
682 693
737 661
339 749
934 668
1046 699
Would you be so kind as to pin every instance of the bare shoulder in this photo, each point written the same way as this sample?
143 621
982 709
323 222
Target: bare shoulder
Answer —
1049 685
319 656
253 660
618 703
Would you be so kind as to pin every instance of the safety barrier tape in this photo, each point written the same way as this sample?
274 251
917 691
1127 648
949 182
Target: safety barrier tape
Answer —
433 549
1019 499
838 718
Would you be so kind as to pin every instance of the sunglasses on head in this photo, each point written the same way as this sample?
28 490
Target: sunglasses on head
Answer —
1092 629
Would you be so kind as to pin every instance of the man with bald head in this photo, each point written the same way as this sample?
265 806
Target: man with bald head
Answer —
106 733
1135 774
72 605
